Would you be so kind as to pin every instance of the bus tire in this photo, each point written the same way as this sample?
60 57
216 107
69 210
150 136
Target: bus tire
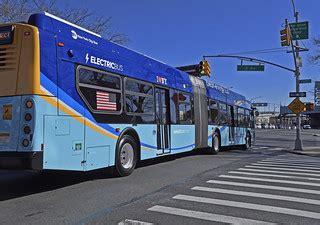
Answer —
247 144
126 156
216 143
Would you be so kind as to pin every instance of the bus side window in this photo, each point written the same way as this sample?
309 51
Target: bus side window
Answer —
139 100
100 91
222 115
235 112
185 108
247 117
213 112
174 116
241 117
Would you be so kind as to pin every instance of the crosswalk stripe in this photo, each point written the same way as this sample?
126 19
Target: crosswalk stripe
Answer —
289 163
276 148
273 209
269 187
290 160
273 175
278 168
134 222
286 166
262 147
204 215
279 172
258 195
272 180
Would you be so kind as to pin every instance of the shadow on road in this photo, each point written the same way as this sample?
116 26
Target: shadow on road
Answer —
19 183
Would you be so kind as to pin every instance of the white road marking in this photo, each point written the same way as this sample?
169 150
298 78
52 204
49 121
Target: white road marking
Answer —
272 180
242 205
278 168
263 147
290 160
276 148
134 222
279 172
289 163
273 175
258 195
204 215
286 166
269 187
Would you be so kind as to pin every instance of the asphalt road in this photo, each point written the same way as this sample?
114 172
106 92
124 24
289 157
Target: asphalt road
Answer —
264 184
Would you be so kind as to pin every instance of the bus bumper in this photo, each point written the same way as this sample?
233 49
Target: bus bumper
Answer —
21 160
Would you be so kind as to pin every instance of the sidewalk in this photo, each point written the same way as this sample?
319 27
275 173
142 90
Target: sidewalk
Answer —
310 151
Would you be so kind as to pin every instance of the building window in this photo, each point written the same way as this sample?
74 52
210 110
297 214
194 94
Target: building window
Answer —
101 91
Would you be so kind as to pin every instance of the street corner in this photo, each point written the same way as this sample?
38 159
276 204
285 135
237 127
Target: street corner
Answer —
309 151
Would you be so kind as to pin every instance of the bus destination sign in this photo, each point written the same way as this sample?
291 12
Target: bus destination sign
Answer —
6 35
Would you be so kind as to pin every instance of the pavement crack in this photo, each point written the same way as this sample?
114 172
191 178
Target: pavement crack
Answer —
33 214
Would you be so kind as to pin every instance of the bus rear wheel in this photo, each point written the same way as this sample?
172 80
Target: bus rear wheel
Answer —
216 143
126 156
247 145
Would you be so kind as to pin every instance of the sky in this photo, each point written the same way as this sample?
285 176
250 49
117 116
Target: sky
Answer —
180 32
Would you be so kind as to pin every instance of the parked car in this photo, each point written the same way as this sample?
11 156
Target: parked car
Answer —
306 126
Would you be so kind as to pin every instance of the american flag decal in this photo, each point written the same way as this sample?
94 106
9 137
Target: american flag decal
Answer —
104 102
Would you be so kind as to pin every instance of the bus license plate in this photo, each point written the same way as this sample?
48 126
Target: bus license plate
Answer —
7 112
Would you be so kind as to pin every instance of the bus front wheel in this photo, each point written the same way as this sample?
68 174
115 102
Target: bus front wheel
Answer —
126 156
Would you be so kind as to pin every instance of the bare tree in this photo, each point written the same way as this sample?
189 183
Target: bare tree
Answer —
315 58
20 10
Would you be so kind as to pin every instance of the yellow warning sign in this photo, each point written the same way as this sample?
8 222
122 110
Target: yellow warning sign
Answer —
296 106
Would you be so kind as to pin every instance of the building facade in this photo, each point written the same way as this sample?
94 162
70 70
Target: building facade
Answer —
317 96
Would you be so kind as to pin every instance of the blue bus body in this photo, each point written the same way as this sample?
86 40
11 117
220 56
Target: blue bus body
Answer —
67 134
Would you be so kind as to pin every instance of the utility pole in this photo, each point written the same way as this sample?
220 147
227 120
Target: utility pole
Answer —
295 50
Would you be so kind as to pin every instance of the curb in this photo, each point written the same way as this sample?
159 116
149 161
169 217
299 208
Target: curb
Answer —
312 154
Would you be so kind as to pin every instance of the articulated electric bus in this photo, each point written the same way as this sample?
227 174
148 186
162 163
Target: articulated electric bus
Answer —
70 100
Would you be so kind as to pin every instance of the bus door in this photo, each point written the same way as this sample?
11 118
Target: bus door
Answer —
232 125
162 119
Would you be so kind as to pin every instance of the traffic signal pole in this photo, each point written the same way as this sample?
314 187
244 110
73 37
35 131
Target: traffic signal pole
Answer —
296 56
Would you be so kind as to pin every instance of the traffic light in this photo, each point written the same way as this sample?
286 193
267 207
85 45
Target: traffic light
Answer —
201 68
204 68
285 36
207 69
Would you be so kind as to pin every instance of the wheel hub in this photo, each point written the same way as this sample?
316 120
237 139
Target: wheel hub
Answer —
126 156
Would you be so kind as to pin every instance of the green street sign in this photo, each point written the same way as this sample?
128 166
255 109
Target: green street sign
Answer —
299 31
250 67
305 81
